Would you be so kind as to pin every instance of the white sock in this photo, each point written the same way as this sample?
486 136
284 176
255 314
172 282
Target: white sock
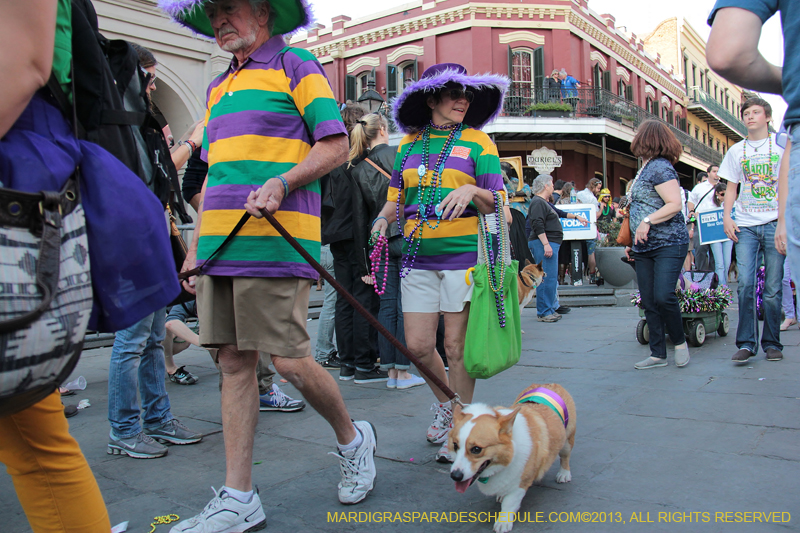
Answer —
447 405
244 497
356 442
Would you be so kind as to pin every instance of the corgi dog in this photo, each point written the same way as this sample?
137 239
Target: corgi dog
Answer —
529 278
506 449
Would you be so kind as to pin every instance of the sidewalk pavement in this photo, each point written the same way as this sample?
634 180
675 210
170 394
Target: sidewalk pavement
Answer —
668 443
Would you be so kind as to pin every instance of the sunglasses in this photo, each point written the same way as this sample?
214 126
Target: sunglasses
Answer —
458 94
152 81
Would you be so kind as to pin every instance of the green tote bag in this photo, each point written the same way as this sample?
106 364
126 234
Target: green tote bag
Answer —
490 348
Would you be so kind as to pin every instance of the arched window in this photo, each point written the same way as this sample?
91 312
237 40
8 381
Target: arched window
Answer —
526 68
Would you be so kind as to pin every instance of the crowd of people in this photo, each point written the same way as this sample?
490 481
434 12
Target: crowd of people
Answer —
397 226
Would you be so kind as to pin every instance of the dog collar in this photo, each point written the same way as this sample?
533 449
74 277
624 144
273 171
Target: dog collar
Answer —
549 398
522 280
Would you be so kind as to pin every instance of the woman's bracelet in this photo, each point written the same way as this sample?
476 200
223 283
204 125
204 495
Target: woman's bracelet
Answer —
378 218
285 185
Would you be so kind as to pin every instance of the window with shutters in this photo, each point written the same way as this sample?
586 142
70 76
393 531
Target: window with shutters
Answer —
607 80
697 133
704 137
408 73
527 74
648 106
629 92
621 87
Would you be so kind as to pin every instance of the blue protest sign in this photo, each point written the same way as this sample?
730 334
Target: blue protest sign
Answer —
573 229
711 227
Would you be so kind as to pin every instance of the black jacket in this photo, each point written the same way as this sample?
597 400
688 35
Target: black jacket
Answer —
337 211
369 187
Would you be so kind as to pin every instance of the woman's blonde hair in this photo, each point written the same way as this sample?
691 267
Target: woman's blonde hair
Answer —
365 130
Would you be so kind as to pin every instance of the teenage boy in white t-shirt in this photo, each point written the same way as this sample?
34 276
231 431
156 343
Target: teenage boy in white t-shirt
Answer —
753 165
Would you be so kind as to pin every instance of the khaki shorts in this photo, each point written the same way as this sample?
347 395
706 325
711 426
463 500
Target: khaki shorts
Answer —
264 314
432 291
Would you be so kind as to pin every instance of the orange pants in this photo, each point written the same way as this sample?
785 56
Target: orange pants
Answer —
53 480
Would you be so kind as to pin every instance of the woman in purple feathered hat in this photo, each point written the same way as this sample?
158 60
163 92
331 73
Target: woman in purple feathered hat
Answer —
445 173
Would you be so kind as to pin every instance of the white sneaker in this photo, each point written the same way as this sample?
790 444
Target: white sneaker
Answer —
358 466
225 514
442 422
443 455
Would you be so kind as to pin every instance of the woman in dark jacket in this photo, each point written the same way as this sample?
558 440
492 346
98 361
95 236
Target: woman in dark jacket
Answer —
544 241
369 140
660 241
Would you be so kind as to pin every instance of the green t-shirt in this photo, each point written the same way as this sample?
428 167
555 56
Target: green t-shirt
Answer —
62 54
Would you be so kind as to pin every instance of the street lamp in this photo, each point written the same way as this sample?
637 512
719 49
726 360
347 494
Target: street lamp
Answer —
371 100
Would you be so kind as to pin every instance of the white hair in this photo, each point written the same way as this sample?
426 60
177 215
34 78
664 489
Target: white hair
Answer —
541 182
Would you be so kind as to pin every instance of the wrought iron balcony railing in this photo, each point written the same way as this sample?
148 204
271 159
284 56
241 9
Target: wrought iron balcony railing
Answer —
701 97
523 99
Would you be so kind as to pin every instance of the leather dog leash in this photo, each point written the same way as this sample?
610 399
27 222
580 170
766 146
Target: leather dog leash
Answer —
341 290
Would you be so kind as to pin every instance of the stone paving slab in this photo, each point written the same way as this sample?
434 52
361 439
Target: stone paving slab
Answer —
711 437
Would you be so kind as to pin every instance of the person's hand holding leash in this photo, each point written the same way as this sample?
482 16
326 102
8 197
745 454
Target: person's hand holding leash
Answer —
189 264
269 196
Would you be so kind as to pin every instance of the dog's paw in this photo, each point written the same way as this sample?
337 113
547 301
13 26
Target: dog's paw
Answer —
503 527
522 331
563 476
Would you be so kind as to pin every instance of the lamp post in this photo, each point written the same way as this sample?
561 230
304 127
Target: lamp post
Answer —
371 100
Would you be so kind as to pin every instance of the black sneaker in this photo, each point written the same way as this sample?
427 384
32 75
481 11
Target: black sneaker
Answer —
373 376
332 362
347 373
563 310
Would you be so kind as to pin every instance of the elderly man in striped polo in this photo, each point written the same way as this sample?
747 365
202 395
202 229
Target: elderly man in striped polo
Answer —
272 129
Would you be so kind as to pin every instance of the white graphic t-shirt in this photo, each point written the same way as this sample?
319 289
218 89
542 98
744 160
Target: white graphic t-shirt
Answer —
754 165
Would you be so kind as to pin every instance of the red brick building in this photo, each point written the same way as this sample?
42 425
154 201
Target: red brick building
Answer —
621 84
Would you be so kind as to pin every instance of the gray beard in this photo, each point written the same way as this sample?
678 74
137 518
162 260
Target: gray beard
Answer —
244 41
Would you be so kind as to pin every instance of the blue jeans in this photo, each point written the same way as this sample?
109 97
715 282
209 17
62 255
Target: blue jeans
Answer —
137 363
793 203
391 317
325 346
722 259
756 242
657 273
547 291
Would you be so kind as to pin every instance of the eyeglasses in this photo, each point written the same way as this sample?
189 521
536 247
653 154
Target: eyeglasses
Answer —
458 94
152 82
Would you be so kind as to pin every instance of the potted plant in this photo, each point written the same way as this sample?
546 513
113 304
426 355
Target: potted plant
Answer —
549 109
628 120
609 254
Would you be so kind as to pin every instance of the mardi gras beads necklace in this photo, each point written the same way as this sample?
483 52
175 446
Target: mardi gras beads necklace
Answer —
495 262
429 193
380 245
746 160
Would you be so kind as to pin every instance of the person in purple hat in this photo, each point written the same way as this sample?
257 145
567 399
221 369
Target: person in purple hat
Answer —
445 173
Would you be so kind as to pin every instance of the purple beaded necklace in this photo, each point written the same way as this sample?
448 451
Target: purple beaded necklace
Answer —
429 194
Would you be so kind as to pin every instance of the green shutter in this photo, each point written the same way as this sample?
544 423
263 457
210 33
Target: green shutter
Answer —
511 64
416 71
538 68
607 80
629 92
391 81
350 88
671 118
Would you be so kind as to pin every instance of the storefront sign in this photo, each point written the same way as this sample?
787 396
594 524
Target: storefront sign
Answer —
711 226
573 229
544 160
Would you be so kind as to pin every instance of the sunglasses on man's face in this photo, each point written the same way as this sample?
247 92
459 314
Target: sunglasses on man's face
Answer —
458 94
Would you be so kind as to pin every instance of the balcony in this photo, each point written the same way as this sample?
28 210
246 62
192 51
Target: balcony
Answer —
599 103
714 113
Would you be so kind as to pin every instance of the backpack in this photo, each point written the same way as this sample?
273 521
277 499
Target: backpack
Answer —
113 109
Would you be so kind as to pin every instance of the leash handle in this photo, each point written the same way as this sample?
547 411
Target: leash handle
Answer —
361 310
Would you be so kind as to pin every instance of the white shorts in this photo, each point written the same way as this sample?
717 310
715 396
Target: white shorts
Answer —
431 291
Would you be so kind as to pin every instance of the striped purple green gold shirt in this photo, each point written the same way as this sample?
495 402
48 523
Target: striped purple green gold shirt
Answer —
261 120
453 245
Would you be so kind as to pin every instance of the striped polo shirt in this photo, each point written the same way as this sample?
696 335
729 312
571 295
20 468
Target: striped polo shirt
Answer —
262 118
453 245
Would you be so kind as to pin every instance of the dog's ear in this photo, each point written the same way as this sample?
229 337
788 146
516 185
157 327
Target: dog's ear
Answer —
507 421
457 411
527 262
540 264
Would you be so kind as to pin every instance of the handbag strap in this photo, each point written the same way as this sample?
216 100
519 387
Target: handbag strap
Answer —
50 212
379 169
199 270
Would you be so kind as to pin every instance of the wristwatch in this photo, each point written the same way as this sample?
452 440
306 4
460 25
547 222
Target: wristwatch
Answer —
646 220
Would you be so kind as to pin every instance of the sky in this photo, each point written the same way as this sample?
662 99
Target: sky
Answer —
628 13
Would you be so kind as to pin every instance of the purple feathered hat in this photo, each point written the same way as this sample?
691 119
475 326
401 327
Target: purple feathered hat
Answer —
410 110
290 15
